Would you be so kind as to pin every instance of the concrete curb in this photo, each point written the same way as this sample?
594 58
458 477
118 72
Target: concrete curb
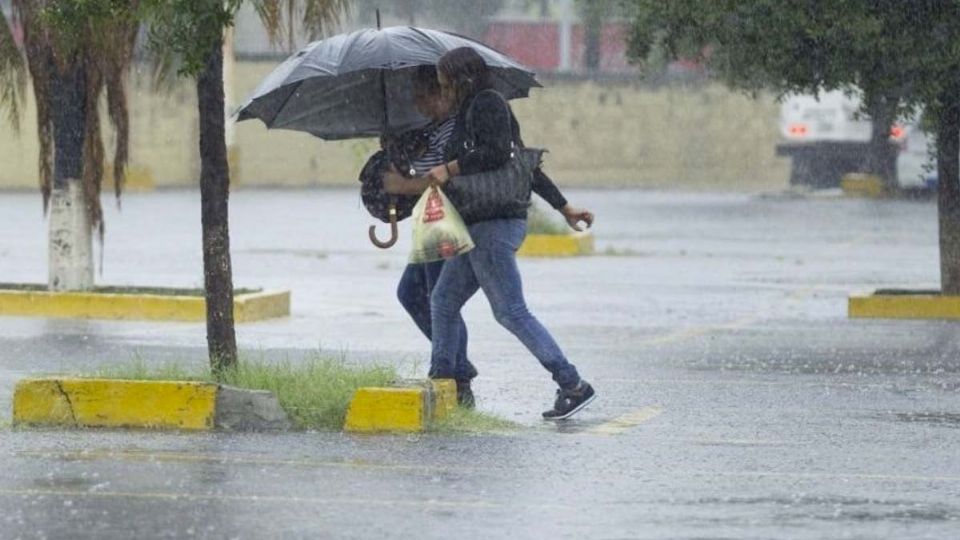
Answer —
559 245
154 307
116 403
903 304
408 406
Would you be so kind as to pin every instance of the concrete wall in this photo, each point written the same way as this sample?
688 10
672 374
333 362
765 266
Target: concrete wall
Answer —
599 134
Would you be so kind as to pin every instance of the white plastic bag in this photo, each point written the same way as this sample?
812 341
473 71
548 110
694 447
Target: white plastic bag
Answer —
438 230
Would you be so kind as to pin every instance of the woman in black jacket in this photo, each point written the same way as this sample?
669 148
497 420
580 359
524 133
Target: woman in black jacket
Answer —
484 145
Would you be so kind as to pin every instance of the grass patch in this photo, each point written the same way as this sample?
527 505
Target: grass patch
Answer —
315 392
462 420
161 291
540 221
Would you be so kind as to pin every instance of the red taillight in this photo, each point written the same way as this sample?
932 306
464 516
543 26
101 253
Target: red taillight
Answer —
797 130
897 132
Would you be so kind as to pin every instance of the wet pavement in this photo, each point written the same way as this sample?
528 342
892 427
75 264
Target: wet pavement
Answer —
736 398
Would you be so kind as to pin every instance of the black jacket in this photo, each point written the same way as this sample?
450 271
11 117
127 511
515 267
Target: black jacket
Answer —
486 144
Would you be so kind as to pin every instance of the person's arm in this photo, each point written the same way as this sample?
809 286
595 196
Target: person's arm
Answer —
394 183
545 188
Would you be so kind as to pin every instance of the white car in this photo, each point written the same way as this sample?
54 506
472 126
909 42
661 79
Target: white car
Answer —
826 136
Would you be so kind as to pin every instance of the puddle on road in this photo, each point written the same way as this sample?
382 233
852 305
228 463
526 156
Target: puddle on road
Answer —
942 419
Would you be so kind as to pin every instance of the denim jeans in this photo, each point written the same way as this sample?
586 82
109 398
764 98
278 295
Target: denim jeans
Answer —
491 266
413 291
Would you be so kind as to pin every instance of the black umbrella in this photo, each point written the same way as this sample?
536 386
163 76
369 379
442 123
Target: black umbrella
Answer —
360 84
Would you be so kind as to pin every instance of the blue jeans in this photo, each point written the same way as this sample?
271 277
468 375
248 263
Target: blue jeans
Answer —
413 291
491 266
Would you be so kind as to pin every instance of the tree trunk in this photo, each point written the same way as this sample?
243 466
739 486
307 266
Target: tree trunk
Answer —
214 195
948 180
70 240
881 158
592 31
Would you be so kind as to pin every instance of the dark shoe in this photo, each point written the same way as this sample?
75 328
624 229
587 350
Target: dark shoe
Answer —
465 395
570 401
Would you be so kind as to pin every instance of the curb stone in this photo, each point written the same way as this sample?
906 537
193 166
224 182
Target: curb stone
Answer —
407 406
116 403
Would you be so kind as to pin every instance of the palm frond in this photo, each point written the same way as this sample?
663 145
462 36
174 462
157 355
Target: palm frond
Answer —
13 74
39 53
316 17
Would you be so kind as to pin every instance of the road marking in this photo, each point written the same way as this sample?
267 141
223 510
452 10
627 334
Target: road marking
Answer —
185 457
627 421
260 498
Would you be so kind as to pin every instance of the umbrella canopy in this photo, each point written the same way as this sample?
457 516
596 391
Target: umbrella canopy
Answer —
361 84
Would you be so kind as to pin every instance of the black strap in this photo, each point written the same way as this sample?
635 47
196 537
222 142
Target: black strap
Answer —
470 131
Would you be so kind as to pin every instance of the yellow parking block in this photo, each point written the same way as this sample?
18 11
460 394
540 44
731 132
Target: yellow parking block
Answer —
869 186
115 403
444 397
558 245
387 409
903 306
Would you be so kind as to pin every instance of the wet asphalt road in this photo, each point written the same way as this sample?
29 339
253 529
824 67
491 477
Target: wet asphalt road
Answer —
736 398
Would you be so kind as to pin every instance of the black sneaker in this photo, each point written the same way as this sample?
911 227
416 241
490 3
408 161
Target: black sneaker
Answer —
465 395
569 402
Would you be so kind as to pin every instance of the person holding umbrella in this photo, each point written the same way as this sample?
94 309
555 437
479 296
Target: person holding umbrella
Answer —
486 144
418 280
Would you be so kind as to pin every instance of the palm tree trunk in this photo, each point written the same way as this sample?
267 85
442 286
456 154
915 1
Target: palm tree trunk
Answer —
214 195
948 180
70 239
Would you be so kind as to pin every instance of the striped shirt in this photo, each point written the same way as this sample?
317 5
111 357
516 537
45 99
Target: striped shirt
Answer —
436 142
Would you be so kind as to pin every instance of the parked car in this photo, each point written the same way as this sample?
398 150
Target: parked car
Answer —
826 136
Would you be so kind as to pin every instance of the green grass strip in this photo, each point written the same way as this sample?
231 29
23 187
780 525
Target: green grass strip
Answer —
463 420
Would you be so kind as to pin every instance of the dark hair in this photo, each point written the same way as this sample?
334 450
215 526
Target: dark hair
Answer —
425 80
467 72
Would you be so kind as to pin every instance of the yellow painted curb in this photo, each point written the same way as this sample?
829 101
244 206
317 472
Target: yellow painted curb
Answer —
863 185
409 406
115 403
387 409
903 306
154 307
444 397
262 305
559 245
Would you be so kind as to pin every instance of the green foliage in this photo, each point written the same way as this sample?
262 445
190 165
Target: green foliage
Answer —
884 47
462 420
74 23
187 30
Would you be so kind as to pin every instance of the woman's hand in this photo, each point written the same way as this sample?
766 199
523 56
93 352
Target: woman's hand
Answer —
575 215
438 175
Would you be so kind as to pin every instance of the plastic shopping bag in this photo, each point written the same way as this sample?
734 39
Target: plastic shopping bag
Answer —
438 229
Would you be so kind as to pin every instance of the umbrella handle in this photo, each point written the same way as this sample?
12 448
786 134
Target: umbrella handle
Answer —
393 231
